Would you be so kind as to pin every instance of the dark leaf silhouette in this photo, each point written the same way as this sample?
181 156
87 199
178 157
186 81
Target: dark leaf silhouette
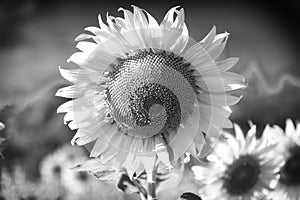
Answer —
190 196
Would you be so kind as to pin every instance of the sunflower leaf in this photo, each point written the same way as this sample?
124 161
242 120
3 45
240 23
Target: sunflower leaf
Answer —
190 196
97 169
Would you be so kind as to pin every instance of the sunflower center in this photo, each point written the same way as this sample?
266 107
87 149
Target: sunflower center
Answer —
56 170
150 91
290 172
241 175
82 176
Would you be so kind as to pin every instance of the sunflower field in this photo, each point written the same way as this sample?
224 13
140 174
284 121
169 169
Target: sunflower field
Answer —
147 101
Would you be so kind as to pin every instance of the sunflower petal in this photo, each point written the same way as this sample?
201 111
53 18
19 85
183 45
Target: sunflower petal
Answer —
218 45
161 151
218 99
206 42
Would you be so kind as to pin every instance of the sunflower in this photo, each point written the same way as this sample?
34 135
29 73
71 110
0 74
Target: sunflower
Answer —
76 182
53 166
145 93
288 147
54 169
15 185
242 168
79 184
2 139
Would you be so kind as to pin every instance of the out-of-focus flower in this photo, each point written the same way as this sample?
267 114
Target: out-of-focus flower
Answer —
242 168
15 185
55 167
60 179
81 186
132 196
146 92
2 140
76 182
288 141
2 126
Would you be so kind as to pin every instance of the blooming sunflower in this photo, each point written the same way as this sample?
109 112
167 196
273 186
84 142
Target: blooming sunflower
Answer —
288 147
242 168
145 92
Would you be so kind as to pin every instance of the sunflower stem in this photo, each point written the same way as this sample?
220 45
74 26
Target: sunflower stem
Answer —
140 188
152 192
152 187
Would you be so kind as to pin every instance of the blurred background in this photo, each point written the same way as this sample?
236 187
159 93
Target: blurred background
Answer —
37 36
